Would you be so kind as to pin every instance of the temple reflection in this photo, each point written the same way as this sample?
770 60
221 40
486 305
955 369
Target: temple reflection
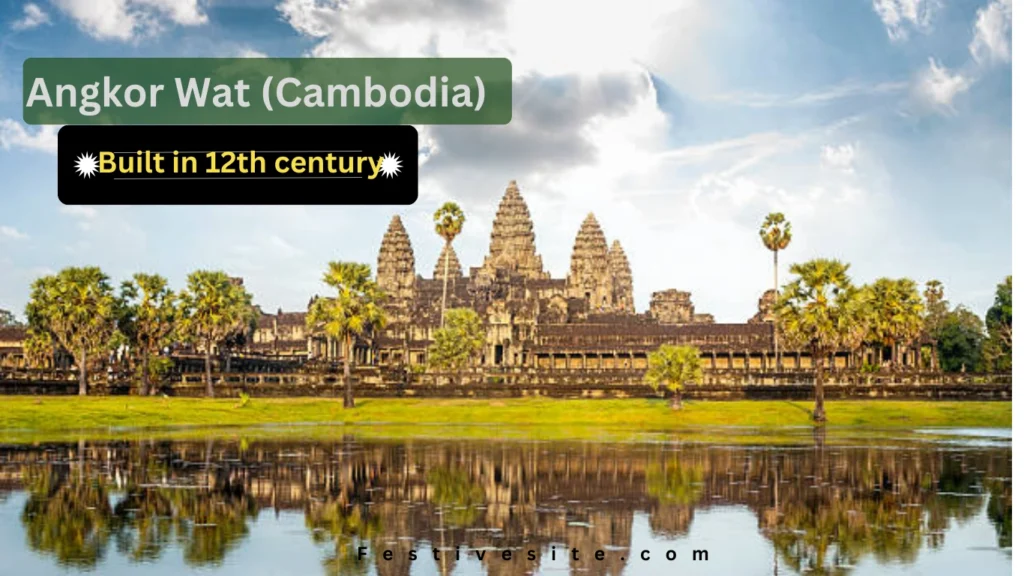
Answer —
824 509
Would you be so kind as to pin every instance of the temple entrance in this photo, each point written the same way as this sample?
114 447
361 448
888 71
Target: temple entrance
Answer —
499 353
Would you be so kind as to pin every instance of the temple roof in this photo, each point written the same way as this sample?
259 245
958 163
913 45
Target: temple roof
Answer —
454 268
590 241
622 277
396 257
512 238
589 261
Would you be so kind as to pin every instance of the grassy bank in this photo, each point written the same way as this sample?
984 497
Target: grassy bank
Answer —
59 415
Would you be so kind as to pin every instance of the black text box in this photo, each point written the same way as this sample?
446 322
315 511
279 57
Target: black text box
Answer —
237 165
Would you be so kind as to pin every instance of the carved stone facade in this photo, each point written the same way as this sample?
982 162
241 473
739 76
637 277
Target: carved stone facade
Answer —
590 276
454 268
396 265
512 239
672 307
281 334
622 279
764 307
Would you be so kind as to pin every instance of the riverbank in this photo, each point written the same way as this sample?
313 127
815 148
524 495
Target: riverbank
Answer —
21 415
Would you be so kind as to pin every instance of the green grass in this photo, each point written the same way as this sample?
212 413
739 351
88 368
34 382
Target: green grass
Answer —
30 418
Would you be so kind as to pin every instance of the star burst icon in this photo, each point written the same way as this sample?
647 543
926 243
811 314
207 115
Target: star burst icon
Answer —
86 165
390 165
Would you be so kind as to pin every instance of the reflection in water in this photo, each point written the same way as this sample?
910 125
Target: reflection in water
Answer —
822 509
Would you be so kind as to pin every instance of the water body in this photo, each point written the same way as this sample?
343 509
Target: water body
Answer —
355 505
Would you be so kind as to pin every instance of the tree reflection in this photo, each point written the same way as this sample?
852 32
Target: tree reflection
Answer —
69 518
824 509
345 528
456 494
676 488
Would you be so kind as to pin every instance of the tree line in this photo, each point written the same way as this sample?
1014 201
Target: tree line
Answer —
822 311
77 312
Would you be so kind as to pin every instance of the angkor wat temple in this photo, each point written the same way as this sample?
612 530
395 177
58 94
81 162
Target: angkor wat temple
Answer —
584 320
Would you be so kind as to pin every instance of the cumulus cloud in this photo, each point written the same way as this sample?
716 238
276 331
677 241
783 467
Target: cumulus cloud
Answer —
937 87
901 16
14 134
33 17
839 157
127 20
991 40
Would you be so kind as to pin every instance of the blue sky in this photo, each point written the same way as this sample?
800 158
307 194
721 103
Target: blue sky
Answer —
880 127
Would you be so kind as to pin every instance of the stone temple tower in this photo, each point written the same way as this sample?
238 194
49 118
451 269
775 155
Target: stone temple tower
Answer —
454 268
396 265
622 279
512 238
589 272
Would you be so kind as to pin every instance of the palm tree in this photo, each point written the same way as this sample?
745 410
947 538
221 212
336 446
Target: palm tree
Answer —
895 312
672 367
448 221
820 311
75 308
353 312
213 305
776 235
151 313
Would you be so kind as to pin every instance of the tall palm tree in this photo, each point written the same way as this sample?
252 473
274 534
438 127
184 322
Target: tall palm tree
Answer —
150 317
353 312
821 311
776 235
212 307
75 308
448 221
895 313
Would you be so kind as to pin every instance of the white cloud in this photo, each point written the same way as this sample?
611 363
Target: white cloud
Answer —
12 233
34 16
127 20
936 87
14 134
839 157
818 97
899 16
992 32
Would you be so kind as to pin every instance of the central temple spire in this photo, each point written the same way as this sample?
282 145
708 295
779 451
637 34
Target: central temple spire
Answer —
396 265
512 238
